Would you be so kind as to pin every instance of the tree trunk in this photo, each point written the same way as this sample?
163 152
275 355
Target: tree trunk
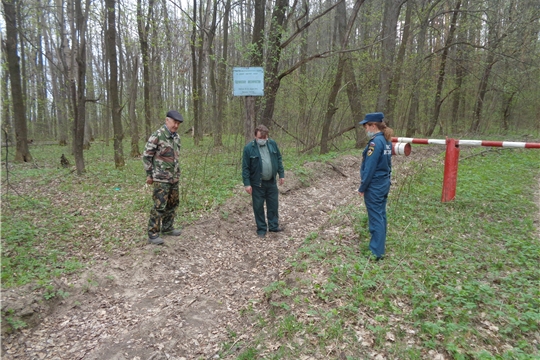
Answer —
272 59
135 152
344 30
22 153
113 84
442 72
61 78
303 119
195 43
482 90
484 81
256 60
412 117
458 95
212 65
42 114
79 84
143 40
393 92
389 35
7 126
222 77
249 127
354 95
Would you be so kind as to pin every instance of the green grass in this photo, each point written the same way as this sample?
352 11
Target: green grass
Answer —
53 221
461 278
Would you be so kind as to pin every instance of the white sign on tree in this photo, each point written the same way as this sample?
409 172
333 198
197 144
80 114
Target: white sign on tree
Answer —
248 81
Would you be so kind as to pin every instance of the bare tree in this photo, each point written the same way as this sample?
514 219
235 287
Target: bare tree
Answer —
272 82
494 40
392 9
222 78
197 39
344 30
256 59
442 71
133 70
22 153
78 83
113 84
143 29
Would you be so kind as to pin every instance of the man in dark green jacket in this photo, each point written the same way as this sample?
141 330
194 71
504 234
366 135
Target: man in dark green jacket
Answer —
261 166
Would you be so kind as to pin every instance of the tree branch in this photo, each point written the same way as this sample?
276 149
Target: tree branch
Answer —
341 132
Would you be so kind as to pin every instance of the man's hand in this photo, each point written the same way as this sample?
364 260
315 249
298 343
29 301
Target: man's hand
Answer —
149 180
281 181
360 193
248 189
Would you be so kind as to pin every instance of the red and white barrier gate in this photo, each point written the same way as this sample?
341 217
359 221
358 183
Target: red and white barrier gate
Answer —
451 159
401 148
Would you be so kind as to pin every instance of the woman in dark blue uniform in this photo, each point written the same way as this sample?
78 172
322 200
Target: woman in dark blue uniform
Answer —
375 178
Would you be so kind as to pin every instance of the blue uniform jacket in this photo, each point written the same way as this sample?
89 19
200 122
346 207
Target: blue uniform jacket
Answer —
376 162
252 163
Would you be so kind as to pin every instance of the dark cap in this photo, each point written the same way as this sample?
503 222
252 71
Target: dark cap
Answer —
175 115
373 117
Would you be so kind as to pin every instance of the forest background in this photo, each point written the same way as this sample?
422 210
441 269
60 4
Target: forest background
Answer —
77 71
80 76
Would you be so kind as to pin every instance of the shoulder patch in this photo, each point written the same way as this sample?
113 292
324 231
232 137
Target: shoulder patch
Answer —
370 151
371 144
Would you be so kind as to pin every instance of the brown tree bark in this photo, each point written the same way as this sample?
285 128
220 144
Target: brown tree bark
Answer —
344 29
393 92
442 72
458 94
143 40
493 44
273 57
42 118
392 9
113 84
22 153
303 119
134 124
256 60
222 77
58 76
196 44
78 84
6 114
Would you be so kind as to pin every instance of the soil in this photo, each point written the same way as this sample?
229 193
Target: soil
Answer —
181 300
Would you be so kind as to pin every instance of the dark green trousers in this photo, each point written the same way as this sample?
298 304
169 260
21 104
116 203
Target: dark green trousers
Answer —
267 192
166 201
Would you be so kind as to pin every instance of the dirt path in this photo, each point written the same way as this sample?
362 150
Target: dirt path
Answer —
178 301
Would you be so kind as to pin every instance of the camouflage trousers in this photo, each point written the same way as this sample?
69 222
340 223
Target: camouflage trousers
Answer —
165 203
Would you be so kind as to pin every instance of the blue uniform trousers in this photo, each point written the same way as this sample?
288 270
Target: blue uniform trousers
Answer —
375 198
268 191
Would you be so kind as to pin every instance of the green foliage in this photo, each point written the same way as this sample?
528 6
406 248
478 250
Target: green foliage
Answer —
51 217
460 278
14 322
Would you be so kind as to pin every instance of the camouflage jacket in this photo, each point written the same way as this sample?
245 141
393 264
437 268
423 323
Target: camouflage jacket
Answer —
160 156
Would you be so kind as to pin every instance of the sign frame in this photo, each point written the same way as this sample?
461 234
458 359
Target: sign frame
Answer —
248 81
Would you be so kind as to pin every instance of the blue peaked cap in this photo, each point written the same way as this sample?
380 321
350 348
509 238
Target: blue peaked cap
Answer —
372 117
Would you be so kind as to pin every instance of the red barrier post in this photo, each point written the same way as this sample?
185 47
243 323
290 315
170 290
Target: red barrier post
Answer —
451 161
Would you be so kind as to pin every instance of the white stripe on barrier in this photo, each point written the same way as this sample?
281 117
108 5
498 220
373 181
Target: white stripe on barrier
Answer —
470 142
404 140
437 141
513 144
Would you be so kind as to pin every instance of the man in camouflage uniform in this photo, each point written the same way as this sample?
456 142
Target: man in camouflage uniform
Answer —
160 160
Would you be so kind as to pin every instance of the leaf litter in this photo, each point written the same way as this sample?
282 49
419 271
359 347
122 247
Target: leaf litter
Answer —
181 300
